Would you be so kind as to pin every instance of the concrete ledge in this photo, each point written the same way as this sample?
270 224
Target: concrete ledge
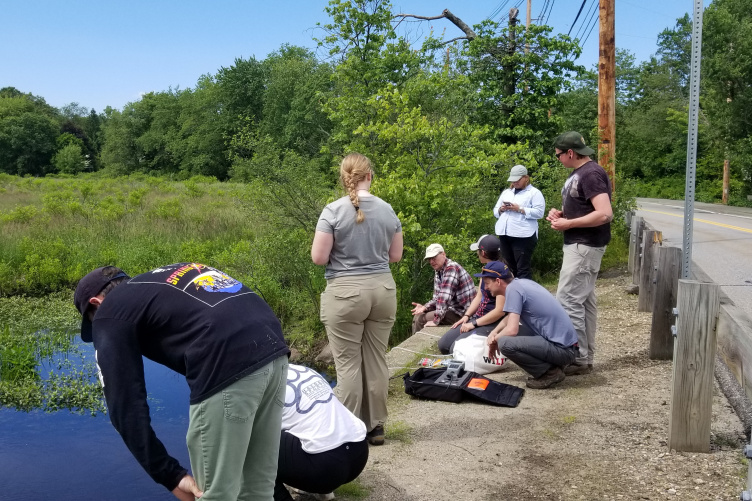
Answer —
400 357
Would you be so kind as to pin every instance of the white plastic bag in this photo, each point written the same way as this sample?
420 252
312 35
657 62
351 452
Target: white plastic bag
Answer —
474 352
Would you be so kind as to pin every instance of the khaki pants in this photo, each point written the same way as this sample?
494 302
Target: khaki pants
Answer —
358 313
420 321
576 293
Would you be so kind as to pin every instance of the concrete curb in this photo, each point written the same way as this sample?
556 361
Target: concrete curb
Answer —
400 356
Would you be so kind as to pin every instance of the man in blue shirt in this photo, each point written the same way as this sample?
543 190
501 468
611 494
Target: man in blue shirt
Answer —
536 333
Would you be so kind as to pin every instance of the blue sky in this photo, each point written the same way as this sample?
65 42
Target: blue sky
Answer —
109 52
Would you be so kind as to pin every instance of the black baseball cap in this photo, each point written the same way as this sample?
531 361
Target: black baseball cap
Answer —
487 243
88 287
574 141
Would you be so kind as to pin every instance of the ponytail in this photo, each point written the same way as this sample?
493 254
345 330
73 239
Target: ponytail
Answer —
354 169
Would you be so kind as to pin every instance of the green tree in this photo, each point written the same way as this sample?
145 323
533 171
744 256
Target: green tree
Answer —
69 159
517 90
28 129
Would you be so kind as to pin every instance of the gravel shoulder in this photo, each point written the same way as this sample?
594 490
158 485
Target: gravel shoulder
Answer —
597 436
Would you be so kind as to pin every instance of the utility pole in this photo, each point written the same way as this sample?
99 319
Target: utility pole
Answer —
510 83
607 90
527 22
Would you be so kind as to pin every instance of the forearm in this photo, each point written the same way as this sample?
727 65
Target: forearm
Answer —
595 218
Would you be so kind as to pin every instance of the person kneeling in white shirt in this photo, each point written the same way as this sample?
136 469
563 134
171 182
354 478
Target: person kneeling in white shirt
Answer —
323 445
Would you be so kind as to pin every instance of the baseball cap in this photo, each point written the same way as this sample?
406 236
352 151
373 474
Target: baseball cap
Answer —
574 141
495 269
487 243
88 287
516 173
433 250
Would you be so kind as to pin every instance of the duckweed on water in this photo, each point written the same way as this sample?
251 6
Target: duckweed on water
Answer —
40 365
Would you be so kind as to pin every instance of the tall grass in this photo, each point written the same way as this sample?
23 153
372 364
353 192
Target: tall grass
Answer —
57 230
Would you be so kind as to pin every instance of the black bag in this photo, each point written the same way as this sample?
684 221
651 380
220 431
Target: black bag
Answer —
423 384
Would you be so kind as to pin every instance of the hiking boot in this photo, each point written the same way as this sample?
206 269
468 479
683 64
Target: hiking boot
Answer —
550 377
376 436
577 369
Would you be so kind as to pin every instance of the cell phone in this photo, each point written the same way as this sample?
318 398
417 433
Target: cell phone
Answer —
507 203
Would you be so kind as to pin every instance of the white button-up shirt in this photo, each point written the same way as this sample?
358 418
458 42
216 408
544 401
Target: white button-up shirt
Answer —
516 224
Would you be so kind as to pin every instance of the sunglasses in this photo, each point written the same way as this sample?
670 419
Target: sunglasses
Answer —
557 155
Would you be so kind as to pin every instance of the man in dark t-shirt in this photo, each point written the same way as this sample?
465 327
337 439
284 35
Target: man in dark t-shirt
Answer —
227 343
585 219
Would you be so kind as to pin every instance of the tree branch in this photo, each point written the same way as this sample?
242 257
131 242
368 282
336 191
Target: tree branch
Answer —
446 13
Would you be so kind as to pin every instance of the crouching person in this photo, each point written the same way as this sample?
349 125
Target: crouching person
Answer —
536 333
323 445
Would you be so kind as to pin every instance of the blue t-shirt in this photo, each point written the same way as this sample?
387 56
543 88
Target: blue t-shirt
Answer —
540 311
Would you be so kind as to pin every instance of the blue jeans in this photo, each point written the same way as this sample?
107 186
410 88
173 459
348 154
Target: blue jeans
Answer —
233 436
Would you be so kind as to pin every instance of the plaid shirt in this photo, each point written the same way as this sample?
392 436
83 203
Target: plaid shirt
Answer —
453 289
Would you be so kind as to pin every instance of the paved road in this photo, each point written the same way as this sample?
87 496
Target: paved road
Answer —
722 241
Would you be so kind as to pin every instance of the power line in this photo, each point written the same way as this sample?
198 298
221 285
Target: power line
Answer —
550 10
576 17
595 21
592 11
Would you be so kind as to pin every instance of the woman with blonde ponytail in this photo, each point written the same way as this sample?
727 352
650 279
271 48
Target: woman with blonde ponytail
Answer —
356 238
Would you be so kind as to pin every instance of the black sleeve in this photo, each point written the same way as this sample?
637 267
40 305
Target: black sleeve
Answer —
122 368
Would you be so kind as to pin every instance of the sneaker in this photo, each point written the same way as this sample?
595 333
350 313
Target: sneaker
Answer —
321 497
578 370
376 436
550 377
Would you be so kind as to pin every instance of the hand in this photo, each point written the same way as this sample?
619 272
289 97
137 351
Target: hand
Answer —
493 348
561 224
467 327
187 490
418 309
431 324
554 214
513 207
459 322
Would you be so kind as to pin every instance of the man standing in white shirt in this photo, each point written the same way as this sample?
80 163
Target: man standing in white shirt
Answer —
518 209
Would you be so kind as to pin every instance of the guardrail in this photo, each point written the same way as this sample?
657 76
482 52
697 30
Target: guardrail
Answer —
706 322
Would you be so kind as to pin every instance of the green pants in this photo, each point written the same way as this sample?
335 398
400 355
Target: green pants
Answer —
233 436
358 313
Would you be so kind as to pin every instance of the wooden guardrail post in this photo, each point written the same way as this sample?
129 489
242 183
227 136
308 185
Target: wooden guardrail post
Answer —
635 247
668 271
651 240
694 358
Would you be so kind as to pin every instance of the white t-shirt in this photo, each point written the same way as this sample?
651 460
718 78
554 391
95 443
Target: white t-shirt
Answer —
314 415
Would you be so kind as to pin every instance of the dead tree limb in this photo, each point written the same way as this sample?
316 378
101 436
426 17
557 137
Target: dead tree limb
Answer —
446 14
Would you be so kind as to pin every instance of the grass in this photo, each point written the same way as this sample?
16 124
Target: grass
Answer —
352 490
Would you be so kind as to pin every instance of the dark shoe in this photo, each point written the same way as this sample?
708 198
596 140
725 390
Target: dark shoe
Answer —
376 436
578 370
550 377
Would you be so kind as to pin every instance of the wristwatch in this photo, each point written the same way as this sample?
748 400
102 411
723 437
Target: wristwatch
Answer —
474 321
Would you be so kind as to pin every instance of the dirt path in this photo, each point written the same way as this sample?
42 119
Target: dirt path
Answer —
598 436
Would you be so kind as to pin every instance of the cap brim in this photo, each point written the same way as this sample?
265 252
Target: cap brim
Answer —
429 256
514 179
474 247
481 275
86 329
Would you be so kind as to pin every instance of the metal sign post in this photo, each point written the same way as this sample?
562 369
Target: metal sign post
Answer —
694 107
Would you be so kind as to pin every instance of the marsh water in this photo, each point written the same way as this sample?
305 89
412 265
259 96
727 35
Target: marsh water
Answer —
65 456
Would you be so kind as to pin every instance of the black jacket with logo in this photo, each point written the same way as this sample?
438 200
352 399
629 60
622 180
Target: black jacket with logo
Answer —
191 318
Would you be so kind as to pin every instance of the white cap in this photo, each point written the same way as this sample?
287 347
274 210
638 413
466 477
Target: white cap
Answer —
433 250
516 173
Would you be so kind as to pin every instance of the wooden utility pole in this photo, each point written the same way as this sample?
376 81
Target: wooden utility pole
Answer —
527 22
724 195
607 90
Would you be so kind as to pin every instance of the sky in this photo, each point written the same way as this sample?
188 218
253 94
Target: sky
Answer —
100 53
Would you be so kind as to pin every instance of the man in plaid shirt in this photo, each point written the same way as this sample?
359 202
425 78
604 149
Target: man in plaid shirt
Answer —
453 290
